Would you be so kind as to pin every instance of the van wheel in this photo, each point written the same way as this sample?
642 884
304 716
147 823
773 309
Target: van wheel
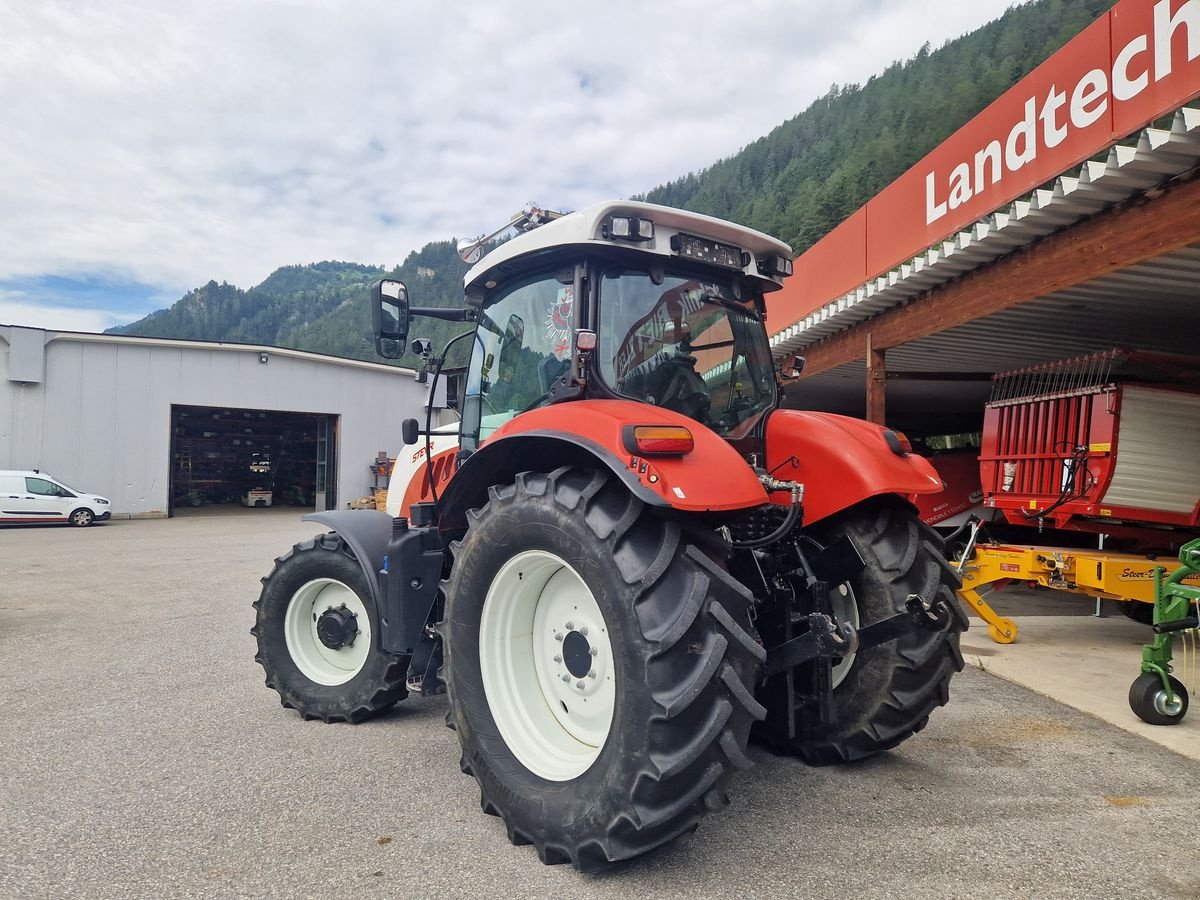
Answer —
82 517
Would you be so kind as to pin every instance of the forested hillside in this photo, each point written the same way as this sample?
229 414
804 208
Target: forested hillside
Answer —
321 307
806 176
798 183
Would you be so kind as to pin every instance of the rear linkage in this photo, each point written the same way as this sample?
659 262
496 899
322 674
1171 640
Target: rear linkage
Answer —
826 639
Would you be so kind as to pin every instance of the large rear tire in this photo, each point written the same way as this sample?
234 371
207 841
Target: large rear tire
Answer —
888 692
600 668
317 626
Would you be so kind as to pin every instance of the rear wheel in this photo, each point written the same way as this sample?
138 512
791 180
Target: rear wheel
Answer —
600 668
316 627
885 693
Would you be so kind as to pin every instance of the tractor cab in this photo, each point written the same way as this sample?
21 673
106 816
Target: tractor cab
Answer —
619 301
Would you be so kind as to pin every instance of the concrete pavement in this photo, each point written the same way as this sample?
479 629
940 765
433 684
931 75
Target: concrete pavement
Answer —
142 757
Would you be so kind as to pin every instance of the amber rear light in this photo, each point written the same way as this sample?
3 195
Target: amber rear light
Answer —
898 442
657 440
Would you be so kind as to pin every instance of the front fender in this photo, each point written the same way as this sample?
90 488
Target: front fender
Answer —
366 532
712 478
841 461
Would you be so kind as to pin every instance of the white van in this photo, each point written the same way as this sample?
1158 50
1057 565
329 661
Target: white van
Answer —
33 496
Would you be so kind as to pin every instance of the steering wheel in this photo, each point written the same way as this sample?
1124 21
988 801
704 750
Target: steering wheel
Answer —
684 391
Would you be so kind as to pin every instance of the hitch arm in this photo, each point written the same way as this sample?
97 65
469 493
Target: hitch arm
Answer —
828 638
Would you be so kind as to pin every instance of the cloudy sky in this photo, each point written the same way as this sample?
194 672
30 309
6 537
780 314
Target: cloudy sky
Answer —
148 147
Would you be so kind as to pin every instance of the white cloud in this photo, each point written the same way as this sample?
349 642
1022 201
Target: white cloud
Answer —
16 310
222 140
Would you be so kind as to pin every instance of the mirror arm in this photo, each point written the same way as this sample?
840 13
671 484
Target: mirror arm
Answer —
446 315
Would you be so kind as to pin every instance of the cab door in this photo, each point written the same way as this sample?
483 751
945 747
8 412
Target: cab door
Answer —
43 499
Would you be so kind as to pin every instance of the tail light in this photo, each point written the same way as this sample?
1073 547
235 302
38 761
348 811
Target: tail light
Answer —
657 440
898 442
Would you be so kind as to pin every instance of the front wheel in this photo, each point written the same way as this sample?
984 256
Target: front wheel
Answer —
884 694
317 628
600 668
82 517
1148 699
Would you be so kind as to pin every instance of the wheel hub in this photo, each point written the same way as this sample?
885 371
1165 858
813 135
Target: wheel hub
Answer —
1170 708
337 628
577 654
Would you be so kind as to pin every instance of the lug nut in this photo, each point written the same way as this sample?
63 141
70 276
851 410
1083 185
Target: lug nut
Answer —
592 674
594 651
566 678
570 626
579 684
558 637
558 659
583 631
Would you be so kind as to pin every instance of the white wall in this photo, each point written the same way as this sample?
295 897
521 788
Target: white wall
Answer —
100 420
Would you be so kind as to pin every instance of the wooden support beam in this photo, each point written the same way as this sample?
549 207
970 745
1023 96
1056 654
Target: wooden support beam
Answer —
876 383
1158 222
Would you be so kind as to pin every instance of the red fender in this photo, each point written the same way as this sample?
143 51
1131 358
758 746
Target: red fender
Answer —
712 478
841 461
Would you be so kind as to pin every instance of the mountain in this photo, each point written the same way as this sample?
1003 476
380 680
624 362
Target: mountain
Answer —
322 307
798 183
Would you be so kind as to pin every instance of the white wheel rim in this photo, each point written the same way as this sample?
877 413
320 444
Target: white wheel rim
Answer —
845 609
315 661
540 629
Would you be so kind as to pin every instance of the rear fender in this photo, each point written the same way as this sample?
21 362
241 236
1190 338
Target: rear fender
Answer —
841 461
713 478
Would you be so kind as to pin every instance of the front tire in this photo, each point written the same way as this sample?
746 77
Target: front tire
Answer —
317 628
1148 699
82 517
887 694
553 568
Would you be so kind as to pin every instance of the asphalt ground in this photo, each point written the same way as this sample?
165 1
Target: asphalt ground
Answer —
143 757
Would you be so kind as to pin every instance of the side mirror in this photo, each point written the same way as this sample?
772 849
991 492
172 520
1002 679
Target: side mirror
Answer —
409 431
389 316
471 251
791 369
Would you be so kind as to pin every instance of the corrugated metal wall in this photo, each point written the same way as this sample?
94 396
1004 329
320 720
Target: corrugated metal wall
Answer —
100 419
1157 451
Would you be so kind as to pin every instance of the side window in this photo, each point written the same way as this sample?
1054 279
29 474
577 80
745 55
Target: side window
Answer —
41 486
522 345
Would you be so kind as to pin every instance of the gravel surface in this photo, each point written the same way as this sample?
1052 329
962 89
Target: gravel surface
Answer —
143 757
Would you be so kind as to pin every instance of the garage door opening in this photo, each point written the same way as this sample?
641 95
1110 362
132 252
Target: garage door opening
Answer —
225 459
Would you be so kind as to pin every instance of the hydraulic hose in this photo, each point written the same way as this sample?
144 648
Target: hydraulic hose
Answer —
793 514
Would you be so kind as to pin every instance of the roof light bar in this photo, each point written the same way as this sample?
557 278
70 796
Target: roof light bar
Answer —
705 250
628 228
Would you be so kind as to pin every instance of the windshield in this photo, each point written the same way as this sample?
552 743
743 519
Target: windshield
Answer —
686 344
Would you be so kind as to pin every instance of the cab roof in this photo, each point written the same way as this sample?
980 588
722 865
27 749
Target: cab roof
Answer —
586 228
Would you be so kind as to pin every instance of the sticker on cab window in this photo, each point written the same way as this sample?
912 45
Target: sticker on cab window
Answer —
558 321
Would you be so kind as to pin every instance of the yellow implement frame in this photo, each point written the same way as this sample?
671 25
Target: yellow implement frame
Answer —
1096 573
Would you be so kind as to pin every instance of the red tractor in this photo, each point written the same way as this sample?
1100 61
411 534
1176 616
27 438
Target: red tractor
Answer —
626 558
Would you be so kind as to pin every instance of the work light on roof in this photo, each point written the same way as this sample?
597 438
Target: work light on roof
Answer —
628 228
775 265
